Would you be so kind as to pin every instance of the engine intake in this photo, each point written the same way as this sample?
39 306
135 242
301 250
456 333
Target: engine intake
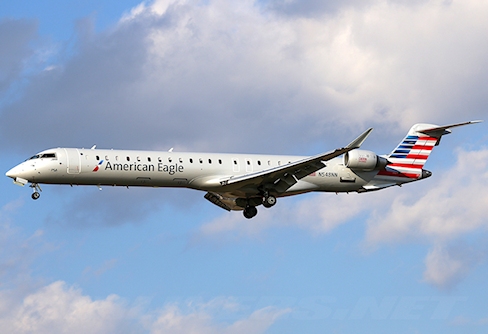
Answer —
364 160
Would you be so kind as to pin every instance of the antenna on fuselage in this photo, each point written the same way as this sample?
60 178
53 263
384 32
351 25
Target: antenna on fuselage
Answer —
93 147
170 150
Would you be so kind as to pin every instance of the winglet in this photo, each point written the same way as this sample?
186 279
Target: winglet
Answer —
356 143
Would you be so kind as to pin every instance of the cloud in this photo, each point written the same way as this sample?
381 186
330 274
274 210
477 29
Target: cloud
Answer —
447 266
59 308
15 36
454 206
172 320
112 206
193 75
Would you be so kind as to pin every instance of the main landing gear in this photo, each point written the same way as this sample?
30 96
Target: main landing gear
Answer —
251 211
269 201
35 187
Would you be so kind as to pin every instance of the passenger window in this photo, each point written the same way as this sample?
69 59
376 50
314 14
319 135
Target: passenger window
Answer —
209 161
116 158
106 158
259 163
149 159
128 159
248 162
220 161
191 160
235 162
98 158
170 160
181 160
159 159
269 162
138 158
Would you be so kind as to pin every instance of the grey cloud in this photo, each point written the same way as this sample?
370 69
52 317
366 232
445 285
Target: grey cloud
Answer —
15 36
91 208
317 8
311 8
197 95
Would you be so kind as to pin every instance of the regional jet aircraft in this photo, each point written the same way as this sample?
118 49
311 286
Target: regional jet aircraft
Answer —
238 181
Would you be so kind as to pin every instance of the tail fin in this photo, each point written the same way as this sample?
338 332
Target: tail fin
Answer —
410 156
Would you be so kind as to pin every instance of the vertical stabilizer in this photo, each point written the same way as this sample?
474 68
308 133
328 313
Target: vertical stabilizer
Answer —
412 153
410 156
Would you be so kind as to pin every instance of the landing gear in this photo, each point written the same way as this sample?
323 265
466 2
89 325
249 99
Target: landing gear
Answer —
35 187
250 211
269 201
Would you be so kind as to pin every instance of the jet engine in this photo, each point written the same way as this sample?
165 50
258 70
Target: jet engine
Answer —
364 160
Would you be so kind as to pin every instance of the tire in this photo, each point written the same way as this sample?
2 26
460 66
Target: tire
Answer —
250 211
269 201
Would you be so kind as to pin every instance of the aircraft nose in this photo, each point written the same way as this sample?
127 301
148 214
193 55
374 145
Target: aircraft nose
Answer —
14 172
11 173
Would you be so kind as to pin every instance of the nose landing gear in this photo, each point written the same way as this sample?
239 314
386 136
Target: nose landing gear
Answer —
35 187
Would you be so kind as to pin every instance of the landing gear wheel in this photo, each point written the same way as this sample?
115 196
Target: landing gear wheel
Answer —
269 201
250 211
35 195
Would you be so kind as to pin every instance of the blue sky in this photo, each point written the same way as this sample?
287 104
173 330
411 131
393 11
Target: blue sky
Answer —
284 77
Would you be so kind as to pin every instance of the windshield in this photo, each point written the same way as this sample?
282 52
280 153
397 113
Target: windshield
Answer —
43 155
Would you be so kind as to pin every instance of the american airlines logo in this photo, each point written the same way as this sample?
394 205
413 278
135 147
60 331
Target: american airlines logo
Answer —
97 167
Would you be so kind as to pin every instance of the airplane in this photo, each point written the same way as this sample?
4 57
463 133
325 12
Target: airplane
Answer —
239 181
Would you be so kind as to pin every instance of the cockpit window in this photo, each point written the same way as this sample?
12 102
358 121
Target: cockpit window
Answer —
43 156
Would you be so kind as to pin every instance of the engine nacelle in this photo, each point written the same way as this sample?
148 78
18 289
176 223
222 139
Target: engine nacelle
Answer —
364 160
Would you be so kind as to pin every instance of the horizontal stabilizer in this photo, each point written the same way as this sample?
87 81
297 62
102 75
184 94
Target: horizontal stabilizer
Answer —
444 130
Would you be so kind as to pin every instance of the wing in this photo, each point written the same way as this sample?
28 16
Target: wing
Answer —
279 179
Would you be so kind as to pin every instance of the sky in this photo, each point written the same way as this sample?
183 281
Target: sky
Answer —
278 77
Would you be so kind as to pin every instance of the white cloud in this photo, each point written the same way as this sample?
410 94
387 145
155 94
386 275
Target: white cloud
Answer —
444 269
59 308
173 320
453 206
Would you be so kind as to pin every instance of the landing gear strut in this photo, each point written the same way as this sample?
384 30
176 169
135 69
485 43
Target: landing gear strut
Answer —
250 211
35 187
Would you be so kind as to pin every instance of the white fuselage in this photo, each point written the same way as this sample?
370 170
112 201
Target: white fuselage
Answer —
202 171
